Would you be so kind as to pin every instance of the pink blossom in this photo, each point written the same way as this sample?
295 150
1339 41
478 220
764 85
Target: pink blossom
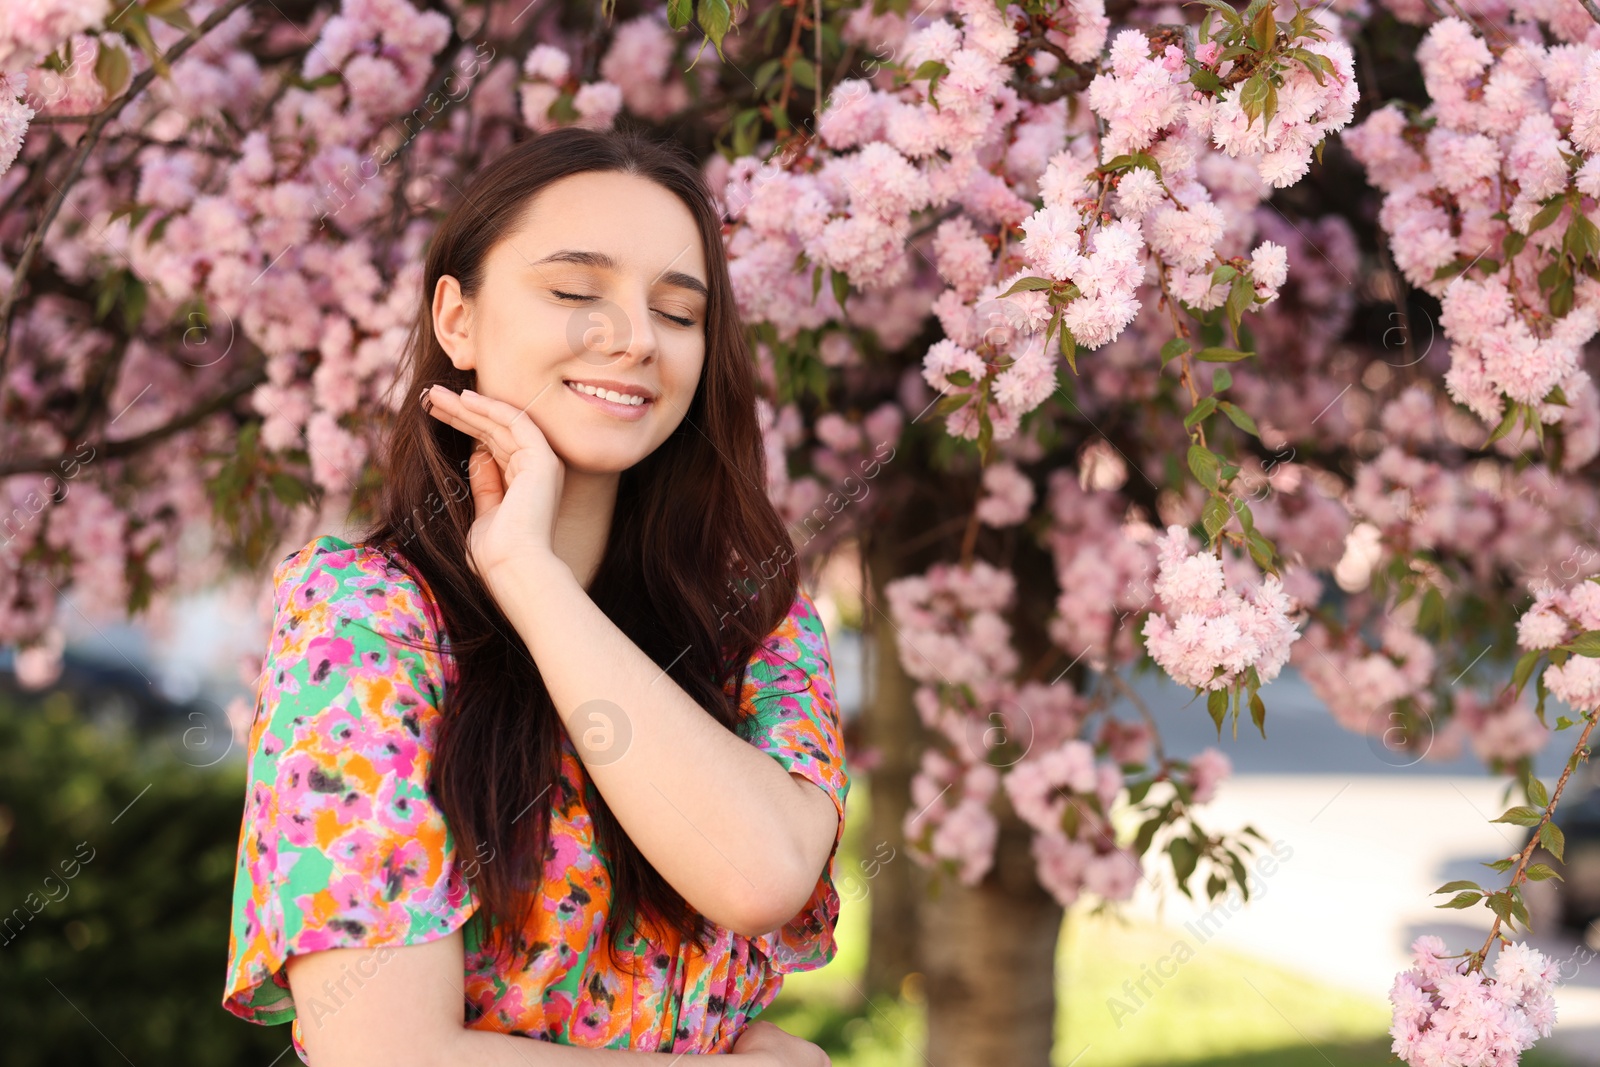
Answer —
1008 496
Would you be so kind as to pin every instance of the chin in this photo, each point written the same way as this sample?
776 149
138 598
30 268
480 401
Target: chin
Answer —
591 460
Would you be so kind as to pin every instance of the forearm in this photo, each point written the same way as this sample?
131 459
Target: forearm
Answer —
711 812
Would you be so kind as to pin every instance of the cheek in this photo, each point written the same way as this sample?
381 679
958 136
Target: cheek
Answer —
690 368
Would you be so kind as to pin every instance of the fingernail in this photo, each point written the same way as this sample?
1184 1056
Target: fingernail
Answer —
425 398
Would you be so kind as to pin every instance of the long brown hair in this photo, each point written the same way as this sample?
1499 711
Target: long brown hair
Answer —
691 528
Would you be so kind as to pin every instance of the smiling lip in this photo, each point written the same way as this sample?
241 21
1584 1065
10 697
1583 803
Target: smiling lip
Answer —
625 412
616 387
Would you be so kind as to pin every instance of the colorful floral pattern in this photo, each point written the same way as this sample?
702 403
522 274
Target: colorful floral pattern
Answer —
341 845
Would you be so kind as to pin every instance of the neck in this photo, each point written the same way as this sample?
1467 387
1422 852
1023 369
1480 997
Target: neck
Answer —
583 521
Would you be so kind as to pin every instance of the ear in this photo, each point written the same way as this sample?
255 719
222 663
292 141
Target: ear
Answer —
452 323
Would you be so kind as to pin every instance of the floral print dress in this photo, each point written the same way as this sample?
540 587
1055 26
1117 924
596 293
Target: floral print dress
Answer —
342 846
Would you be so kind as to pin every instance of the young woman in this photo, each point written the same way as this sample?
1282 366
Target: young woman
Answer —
546 766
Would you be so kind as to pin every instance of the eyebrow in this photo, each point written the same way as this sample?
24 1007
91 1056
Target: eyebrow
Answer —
602 261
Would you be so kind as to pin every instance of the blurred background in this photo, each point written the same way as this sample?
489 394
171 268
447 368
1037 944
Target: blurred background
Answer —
311 146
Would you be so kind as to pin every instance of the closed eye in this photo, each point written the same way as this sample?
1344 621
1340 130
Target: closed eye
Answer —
580 296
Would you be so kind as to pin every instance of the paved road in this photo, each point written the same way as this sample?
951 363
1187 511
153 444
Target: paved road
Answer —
1370 839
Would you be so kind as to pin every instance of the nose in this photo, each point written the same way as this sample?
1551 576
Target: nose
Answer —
620 331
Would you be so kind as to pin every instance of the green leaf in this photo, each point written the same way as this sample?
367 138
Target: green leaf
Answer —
1173 349
1548 214
1205 465
1069 348
171 12
804 74
1258 713
1207 405
1221 379
679 13
1214 516
1553 840
1561 297
841 287
1147 833
1261 550
1264 29
954 402
289 489
764 73
112 69
1521 815
1549 276
1501 865
1029 285
1458 884
1319 66
715 19
1539 872
1247 521
959 377
1461 900
1514 243
1229 15
1184 858
1585 644
1524 670
1223 355
1217 706
1240 418
1128 161
1253 97
1506 422
1241 877
1536 793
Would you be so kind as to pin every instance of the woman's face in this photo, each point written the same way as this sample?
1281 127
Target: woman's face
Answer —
601 285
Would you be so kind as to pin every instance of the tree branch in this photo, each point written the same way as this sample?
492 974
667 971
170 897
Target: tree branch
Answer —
133 445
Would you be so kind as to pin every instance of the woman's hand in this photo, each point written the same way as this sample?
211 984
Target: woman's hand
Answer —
779 1047
516 480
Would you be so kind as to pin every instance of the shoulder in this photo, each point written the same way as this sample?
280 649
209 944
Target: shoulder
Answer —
350 615
799 631
331 578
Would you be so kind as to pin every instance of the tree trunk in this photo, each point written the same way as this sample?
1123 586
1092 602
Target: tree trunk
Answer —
988 954
892 729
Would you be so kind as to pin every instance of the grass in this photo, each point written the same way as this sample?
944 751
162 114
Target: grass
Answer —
1215 1008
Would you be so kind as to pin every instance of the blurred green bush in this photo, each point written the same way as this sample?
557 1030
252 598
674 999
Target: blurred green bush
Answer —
116 878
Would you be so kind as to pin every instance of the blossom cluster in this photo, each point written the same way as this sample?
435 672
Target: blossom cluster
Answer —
1487 193
1557 615
954 639
1206 636
1445 1013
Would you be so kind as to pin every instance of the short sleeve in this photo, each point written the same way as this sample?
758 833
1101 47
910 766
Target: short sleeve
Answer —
793 715
341 845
